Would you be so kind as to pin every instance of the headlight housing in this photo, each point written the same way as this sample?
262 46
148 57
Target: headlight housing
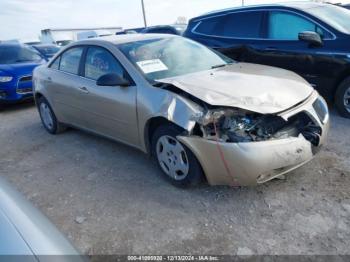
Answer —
5 79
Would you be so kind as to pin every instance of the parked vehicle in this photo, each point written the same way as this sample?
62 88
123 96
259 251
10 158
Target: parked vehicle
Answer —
311 39
196 111
26 232
92 34
130 31
161 29
16 68
346 6
46 50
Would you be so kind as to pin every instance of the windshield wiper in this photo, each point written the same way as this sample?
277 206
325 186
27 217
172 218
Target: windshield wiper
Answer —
220 65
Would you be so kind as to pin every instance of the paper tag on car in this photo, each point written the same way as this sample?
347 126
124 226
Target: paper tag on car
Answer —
151 66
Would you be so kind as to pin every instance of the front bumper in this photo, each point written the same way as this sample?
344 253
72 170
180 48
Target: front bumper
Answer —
253 163
16 90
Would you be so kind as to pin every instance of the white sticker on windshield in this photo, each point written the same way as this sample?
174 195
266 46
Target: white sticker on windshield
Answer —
151 66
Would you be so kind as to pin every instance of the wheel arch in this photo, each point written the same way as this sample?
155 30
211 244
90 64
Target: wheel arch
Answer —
340 79
152 124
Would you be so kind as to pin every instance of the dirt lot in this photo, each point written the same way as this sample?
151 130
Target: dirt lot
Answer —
111 199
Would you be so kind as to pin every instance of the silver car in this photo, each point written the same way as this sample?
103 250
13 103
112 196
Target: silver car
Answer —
198 113
26 234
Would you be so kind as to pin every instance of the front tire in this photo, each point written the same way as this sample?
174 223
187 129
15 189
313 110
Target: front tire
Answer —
48 117
178 163
342 98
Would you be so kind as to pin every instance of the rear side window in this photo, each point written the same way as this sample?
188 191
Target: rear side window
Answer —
99 62
70 60
287 26
243 25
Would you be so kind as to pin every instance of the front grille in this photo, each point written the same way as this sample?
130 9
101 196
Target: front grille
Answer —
24 85
321 109
24 90
25 79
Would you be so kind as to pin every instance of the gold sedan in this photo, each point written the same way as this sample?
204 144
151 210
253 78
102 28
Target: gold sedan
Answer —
200 114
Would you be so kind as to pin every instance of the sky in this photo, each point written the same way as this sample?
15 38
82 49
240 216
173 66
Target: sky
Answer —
24 19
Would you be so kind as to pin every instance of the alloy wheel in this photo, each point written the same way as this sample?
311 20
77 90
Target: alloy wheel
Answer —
347 99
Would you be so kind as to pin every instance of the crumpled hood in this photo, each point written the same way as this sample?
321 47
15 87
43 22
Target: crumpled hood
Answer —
257 88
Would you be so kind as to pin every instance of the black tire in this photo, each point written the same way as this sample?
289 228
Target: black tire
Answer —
342 91
195 174
56 126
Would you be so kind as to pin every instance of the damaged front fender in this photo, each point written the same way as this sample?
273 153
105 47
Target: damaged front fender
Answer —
166 105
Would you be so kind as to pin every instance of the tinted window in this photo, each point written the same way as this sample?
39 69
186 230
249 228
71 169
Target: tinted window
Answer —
242 25
210 26
56 63
70 60
100 62
287 26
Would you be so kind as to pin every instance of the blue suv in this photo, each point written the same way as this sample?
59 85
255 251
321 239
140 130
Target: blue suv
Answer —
311 39
16 68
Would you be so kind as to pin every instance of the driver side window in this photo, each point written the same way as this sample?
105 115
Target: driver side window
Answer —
287 26
99 62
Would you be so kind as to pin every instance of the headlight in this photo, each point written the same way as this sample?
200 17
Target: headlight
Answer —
4 79
321 108
236 125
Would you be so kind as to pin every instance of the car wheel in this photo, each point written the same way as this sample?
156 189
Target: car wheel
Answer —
177 162
48 117
342 98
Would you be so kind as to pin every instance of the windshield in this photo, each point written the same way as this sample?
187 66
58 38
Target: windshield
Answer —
48 50
18 54
335 16
169 57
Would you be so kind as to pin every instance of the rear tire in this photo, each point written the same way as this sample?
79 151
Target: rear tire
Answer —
178 163
48 117
342 98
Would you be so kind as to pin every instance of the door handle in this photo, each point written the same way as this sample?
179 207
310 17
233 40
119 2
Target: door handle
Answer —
49 79
83 89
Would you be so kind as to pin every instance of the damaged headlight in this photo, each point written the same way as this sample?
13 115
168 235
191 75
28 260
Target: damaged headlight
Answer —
229 125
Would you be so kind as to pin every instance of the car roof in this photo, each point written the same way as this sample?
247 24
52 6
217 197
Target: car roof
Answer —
301 5
128 38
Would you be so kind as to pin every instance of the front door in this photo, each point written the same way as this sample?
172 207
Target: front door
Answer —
108 110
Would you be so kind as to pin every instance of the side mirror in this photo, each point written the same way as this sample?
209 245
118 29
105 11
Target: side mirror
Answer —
112 79
312 38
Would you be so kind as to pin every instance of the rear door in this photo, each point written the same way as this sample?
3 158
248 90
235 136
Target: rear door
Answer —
64 88
108 110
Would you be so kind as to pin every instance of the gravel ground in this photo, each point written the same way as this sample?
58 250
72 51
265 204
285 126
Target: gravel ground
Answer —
108 198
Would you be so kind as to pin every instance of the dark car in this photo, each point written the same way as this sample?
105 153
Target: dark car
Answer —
47 50
311 39
160 29
17 63
346 6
